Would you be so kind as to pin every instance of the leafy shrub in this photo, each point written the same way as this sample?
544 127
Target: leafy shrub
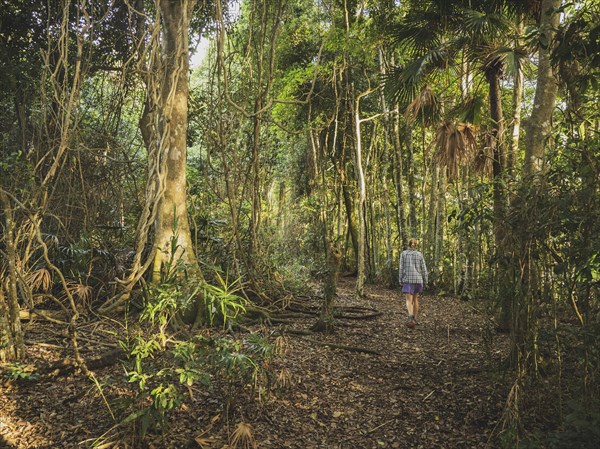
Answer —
222 302
161 367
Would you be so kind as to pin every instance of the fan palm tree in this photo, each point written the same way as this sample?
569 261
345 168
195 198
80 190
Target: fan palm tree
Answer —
434 33
440 35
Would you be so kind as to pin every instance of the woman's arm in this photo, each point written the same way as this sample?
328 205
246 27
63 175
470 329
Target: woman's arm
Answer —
401 268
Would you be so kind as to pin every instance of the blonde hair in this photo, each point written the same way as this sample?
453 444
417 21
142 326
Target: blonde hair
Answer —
412 243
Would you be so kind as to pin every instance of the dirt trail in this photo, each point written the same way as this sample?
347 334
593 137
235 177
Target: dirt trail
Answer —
429 387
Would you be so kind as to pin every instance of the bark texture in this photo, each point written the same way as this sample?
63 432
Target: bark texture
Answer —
540 122
172 221
11 334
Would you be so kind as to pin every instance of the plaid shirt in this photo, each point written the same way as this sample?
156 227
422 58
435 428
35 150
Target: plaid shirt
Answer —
412 268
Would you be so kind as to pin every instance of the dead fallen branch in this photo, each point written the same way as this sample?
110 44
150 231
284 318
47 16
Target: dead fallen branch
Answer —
53 316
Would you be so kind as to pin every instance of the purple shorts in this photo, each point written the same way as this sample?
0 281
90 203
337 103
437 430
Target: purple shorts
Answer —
412 288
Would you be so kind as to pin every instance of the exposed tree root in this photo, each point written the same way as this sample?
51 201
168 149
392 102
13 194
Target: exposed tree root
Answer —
66 367
304 334
344 347
349 313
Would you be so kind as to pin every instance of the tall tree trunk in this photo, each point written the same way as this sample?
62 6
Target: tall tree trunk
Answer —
389 261
172 219
432 223
516 122
500 195
414 225
362 199
523 324
539 124
499 153
399 182
256 181
392 134
332 257
349 207
440 217
11 334
517 100
339 161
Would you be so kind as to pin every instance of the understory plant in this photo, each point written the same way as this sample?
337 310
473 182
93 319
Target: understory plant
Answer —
163 367
159 378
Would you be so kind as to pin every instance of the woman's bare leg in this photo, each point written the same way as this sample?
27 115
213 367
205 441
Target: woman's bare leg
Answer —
409 304
415 305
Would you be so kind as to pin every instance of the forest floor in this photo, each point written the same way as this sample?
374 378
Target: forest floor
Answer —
435 386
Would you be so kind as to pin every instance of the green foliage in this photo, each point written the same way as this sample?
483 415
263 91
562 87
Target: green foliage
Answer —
190 357
157 375
582 427
160 366
581 430
16 169
17 371
475 212
223 305
299 40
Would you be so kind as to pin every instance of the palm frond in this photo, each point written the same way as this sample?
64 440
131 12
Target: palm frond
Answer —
284 378
456 146
484 26
510 7
281 345
416 38
403 82
437 58
471 110
512 60
426 108
39 279
400 85
83 293
243 437
483 161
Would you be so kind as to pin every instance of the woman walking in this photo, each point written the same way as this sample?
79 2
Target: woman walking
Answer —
412 276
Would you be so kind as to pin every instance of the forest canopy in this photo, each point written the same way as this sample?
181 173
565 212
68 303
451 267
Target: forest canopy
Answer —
311 140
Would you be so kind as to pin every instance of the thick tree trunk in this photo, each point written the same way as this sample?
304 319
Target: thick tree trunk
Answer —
523 319
172 221
539 124
11 333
